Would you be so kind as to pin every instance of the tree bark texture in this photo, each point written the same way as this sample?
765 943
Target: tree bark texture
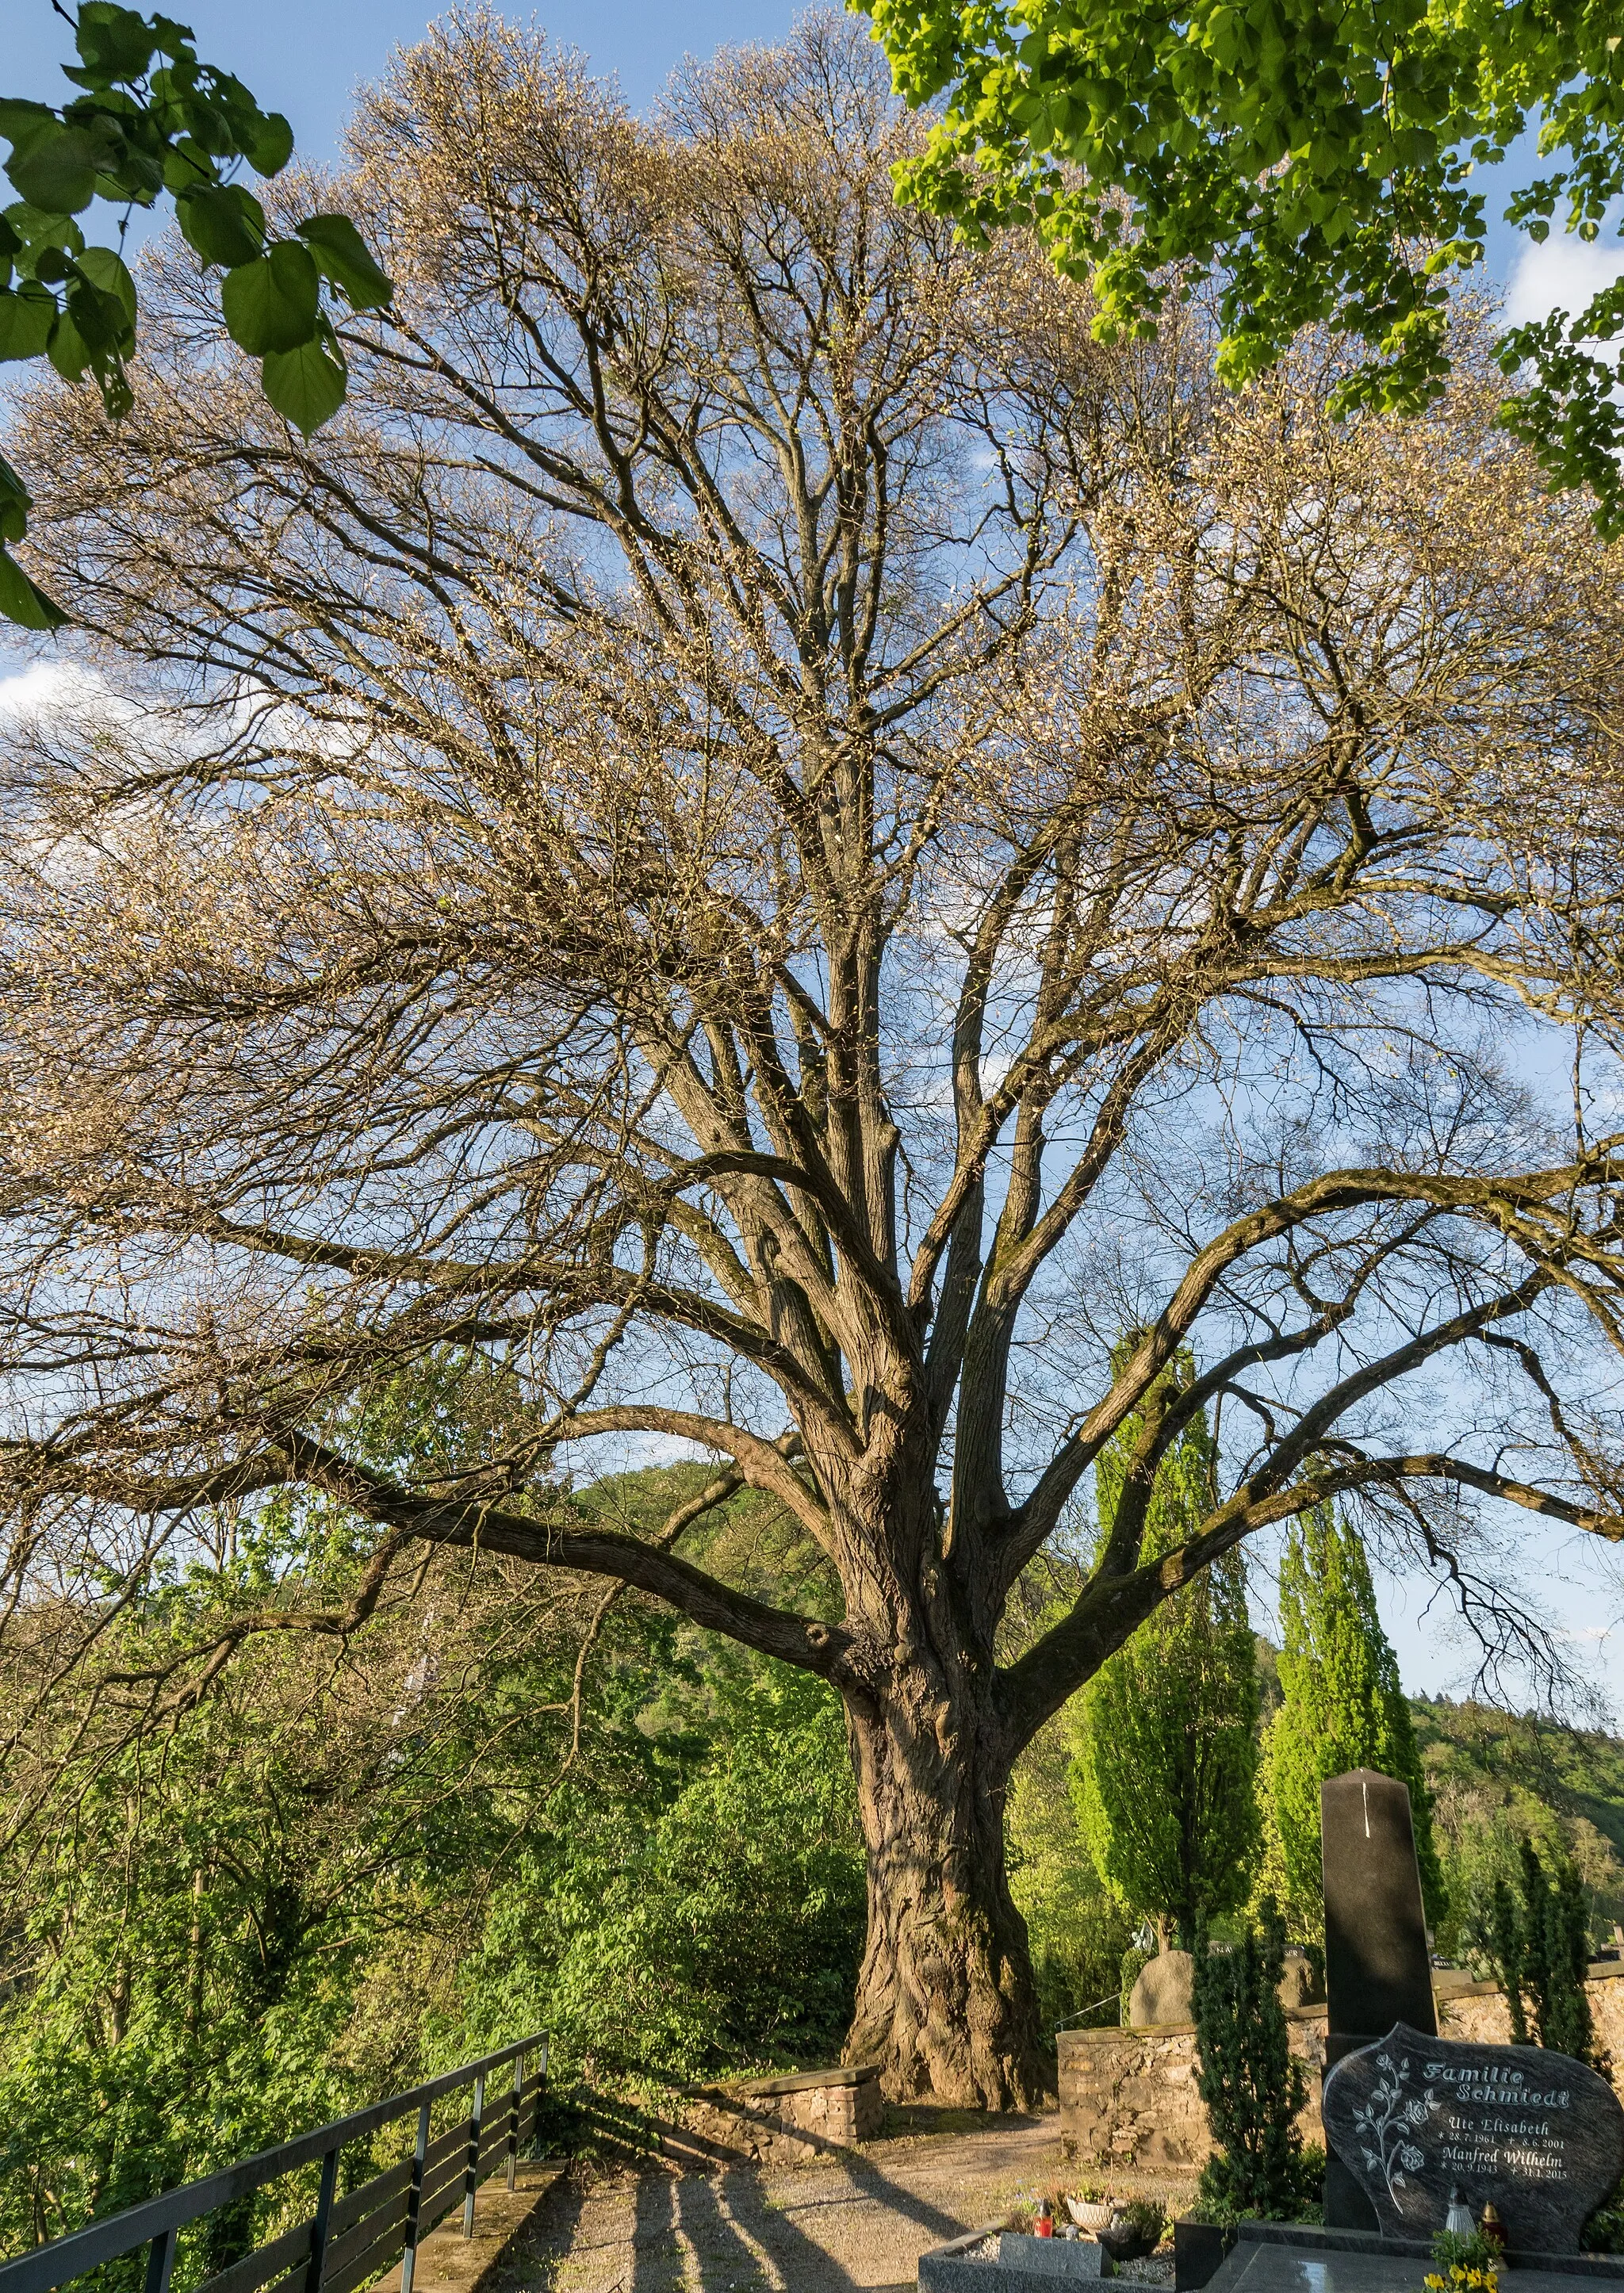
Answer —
945 2001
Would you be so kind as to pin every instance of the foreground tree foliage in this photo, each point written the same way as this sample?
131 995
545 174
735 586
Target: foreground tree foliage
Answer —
151 118
768 833
1316 163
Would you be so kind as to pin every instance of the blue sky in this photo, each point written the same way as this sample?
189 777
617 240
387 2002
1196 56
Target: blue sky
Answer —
305 57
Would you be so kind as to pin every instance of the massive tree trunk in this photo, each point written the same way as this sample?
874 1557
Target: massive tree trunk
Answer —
946 2001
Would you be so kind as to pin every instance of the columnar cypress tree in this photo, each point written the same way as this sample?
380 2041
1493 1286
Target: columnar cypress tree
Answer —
1164 1778
1542 1955
1341 1705
1508 1959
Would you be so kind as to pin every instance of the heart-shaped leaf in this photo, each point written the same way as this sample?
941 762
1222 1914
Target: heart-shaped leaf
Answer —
343 257
20 120
26 320
305 385
272 304
105 272
58 171
113 43
271 146
67 349
99 319
223 222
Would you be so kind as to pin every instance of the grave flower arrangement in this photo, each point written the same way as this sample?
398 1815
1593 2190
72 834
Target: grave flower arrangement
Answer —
1464 2277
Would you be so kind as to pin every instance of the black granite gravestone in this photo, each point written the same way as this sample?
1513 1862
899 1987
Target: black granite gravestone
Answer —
1415 2116
1377 1968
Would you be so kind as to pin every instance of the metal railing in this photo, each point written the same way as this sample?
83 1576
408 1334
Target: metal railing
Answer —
348 2241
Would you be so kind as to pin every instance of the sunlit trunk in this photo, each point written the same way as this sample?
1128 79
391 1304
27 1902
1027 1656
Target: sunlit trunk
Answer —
945 2003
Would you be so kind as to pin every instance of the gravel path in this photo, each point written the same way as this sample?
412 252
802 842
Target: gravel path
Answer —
849 2225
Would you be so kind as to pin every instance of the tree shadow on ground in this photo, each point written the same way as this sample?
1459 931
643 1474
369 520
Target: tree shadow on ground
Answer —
741 2242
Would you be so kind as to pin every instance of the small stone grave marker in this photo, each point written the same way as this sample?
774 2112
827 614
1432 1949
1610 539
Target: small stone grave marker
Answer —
1540 2135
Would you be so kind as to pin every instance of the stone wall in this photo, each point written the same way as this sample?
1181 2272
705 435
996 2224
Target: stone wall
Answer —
1129 2098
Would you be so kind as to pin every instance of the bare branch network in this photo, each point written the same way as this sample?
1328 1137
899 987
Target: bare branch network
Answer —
767 834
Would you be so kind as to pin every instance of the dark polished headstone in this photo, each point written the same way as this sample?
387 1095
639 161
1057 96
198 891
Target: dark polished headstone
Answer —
1415 2116
1378 1967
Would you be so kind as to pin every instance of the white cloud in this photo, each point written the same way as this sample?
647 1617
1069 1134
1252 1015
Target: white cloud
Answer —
1561 275
45 686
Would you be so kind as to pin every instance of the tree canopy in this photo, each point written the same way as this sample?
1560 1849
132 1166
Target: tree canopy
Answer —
771 835
1317 161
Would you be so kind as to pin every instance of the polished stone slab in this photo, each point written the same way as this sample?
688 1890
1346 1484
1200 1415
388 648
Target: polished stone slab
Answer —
1267 2258
1377 1966
1537 2134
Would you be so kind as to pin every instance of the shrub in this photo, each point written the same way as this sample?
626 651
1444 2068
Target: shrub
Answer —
1251 2083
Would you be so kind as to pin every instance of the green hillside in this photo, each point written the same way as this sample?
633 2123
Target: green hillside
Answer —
1497 1777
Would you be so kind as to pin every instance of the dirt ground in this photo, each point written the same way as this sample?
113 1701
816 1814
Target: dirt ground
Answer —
851 2224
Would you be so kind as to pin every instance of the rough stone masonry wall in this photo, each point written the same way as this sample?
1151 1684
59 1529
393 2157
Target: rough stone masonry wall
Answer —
1129 2098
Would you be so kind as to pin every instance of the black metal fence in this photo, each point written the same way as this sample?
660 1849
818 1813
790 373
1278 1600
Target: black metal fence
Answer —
349 2240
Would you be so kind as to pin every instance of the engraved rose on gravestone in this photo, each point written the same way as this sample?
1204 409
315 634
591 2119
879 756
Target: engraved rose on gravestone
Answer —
1388 2120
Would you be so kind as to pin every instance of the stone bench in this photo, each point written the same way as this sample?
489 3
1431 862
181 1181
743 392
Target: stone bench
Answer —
841 2105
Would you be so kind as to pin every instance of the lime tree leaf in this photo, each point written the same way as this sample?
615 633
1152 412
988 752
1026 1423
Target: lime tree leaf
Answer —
22 601
105 272
38 231
186 165
15 503
114 43
305 385
272 304
58 172
342 256
223 222
21 121
272 147
67 349
26 320
99 319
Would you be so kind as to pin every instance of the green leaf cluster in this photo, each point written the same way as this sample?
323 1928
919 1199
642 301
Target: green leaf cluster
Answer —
1317 161
151 119
1166 1765
1342 1705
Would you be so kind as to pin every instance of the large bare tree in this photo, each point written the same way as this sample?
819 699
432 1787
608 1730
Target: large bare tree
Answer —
768 833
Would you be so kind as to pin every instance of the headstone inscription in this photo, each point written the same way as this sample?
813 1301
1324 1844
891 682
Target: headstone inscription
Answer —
1536 2134
1378 1967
